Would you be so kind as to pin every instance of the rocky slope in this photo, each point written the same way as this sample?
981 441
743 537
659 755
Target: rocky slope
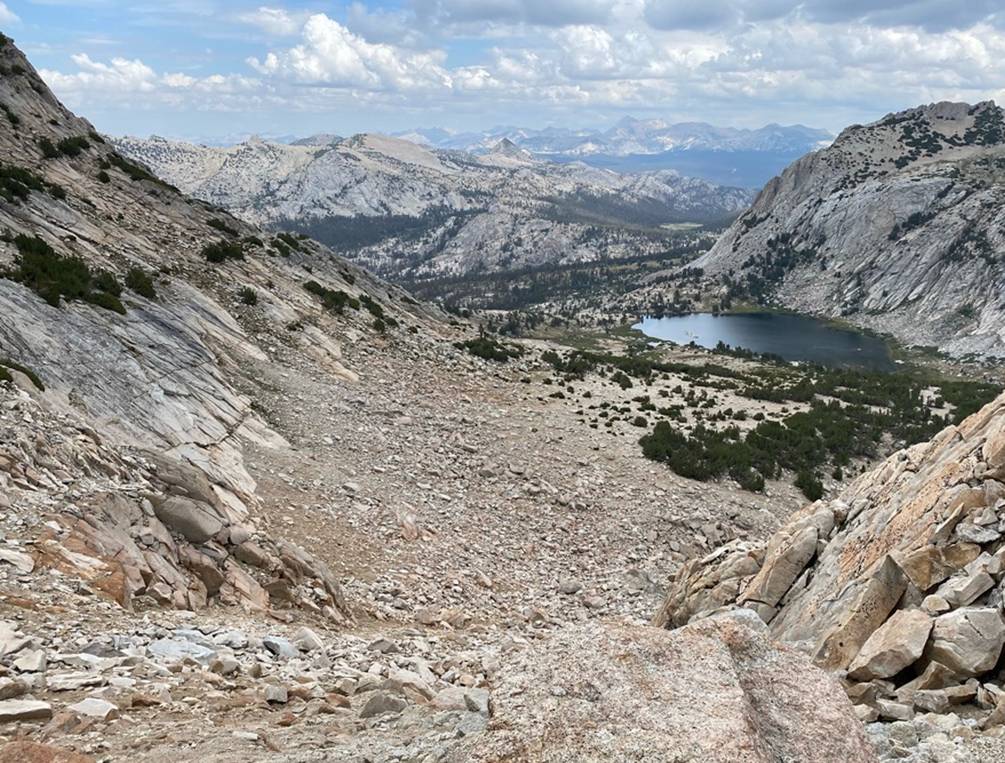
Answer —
898 226
256 505
896 584
406 211
149 364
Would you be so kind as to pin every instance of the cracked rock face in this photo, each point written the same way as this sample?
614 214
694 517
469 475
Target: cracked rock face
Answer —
898 227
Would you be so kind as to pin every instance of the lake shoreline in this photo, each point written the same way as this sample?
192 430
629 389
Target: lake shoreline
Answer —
794 337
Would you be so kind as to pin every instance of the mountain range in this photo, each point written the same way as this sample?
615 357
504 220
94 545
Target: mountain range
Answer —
725 155
407 211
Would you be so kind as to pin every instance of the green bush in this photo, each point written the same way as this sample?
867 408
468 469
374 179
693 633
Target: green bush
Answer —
375 309
136 172
13 118
812 488
17 183
221 226
104 177
221 251
248 296
140 281
487 348
106 282
53 276
291 241
73 146
336 301
49 150
105 300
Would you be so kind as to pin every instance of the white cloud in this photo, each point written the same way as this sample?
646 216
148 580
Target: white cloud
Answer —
275 21
331 55
130 81
7 16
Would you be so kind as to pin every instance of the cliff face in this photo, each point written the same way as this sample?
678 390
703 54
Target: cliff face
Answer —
898 226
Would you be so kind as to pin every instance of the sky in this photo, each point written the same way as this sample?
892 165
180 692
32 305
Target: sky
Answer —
220 69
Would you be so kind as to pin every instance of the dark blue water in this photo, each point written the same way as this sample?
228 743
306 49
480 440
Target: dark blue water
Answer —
792 337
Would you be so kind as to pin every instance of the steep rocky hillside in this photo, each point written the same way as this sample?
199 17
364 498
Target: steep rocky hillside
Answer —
406 211
133 306
896 584
898 226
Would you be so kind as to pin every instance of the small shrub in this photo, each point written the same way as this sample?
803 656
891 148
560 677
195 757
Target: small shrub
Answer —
16 184
621 379
379 325
487 348
49 150
336 301
136 172
105 300
140 281
73 146
106 282
290 241
375 309
13 118
812 488
221 226
104 177
221 251
248 296
640 421
53 276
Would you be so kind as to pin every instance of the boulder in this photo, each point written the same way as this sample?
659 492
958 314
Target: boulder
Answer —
24 710
967 641
95 707
717 691
786 558
381 703
195 520
897 643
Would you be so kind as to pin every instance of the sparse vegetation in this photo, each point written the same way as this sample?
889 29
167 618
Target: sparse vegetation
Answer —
13 118
221 251
221 226
488 348
53 276
248 296
17 183
335 300
136 172
140 281
73 146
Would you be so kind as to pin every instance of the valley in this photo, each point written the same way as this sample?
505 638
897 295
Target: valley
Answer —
349 450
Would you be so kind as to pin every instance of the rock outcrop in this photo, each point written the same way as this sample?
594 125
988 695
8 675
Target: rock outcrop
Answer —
719 690
896 583
142 528
897 226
